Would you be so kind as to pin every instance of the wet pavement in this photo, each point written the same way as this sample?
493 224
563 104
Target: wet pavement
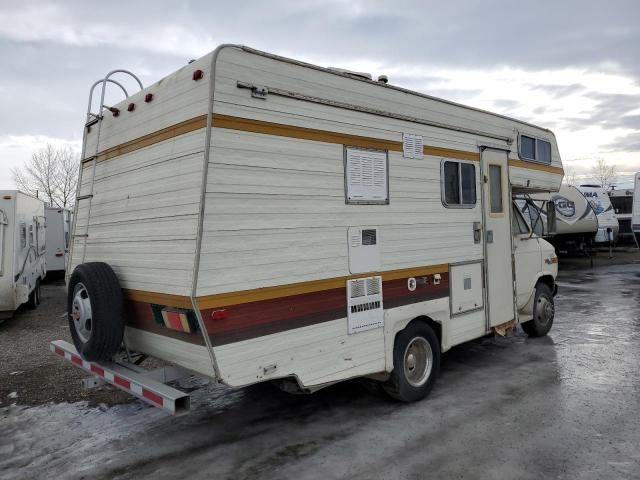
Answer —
564 406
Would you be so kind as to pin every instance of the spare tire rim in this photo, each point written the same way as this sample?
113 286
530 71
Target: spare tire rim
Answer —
81 312
418 361
545 310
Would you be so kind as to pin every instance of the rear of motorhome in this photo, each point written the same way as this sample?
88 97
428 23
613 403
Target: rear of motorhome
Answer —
252 217
576 223
608 226
58 222
22 250
622 203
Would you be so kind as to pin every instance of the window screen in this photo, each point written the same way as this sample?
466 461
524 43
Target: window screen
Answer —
543 151
23 235
495 183
366 176
528 147
459 184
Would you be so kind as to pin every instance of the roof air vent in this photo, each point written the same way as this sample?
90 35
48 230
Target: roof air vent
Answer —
383 79
360 75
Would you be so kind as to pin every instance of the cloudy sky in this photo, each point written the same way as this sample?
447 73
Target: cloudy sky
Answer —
572 66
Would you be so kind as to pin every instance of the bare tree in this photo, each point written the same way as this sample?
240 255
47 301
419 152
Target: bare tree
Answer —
51 174
604 173
569 176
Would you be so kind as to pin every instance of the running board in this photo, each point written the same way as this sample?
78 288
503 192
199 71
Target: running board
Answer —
138 383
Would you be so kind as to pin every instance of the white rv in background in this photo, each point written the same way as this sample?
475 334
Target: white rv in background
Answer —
58 222
576 221
622 202
22 250
608 226
635 216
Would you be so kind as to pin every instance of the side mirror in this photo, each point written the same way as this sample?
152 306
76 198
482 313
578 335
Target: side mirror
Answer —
551 217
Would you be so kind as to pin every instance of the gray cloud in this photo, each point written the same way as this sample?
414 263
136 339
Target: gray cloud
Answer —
51 52
625 143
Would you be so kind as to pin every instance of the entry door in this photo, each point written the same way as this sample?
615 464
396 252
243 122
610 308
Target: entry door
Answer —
497 237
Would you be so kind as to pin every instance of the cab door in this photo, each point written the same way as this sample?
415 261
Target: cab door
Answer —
497 237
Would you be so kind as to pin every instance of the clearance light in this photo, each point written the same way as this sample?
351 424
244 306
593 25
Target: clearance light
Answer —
148 97
219 315
7 197
131 107
197 75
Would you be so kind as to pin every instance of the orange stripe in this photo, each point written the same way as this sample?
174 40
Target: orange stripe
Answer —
279 291
536 166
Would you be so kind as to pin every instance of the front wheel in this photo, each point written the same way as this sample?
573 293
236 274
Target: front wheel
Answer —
416 363
543 312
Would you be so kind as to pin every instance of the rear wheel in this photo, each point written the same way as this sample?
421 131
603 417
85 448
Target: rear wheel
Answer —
96 311
416 363
543 312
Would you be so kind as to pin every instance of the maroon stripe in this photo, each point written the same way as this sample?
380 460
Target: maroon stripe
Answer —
77 360
97 370
59 351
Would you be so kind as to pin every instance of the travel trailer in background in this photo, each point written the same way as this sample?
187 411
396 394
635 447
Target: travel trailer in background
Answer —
58 221
576 222
607 222
254 218
22 250
622 202
635 215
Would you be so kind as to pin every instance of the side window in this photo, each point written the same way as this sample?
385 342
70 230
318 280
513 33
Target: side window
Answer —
458 184
535 149
518 224
495 184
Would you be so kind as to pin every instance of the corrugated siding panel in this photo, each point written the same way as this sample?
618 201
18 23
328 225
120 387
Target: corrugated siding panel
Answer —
144 214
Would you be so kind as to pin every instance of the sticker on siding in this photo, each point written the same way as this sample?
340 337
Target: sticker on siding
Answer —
412 145
366 172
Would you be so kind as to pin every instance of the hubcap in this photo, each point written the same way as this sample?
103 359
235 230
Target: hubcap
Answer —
545 310
418 361
81 312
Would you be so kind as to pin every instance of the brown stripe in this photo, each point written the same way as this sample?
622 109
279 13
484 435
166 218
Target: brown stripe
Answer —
233 298
159 136
270 128
260 318
266 293
536 166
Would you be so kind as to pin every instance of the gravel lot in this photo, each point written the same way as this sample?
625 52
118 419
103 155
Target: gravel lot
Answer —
564 406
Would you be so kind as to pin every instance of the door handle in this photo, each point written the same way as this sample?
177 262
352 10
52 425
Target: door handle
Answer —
489 236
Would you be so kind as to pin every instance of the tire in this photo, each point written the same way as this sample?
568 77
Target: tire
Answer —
34 296
543 312
95 307
416 345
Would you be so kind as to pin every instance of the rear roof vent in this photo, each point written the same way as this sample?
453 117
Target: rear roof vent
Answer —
351 73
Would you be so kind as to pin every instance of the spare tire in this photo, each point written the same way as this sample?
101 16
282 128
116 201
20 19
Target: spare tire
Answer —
95 307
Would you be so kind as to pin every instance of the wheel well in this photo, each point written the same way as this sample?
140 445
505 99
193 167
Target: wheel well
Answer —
547 280
435 326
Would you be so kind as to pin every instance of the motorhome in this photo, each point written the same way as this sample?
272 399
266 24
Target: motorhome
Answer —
22 251
608 226
58 224
576 221
255 218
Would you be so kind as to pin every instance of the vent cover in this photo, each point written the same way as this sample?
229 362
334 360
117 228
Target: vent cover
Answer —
369 236
364 303
413 145
366 175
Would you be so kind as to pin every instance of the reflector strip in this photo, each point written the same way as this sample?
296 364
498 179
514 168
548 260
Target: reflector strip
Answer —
130 380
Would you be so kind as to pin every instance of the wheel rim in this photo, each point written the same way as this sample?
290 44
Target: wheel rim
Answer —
81 312
545 310
418 361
